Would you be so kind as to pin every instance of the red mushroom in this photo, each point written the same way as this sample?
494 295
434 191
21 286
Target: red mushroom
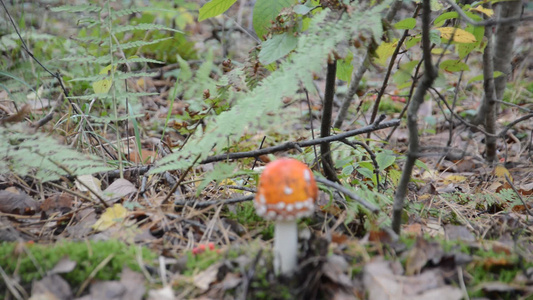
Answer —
287 191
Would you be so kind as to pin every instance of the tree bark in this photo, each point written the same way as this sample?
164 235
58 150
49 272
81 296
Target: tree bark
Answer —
503 45
412 119
327 110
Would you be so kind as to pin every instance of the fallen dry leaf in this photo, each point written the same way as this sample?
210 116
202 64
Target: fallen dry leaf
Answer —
18 204
110 217
119 188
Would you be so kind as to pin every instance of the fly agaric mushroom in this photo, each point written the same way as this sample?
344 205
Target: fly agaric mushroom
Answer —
287 191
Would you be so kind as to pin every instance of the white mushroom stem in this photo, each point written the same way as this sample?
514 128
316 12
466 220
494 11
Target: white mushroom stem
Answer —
285 246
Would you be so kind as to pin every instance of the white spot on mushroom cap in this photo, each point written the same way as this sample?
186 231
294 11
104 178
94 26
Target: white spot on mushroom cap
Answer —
287 190
290 207
272 214
281 205
262 199
307 175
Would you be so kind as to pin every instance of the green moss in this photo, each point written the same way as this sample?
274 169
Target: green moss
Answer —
29 259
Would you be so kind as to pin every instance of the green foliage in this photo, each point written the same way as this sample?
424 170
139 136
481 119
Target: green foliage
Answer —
251 109
88 255
214 8
277 47
24 153
265 11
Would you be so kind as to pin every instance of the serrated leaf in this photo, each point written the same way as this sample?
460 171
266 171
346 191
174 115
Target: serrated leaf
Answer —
459 35
214 8
385 160
453 65
277 47
408 23
266 11
384 51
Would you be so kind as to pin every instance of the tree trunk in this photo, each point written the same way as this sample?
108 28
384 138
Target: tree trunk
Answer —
503 46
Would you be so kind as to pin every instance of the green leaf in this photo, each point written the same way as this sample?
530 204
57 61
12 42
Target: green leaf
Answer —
439 21
277 47
220 171
453 65
410 42
496 74
302 9
404 74
408 23
345 68
266 11
214 8
385 160
434 37
384 51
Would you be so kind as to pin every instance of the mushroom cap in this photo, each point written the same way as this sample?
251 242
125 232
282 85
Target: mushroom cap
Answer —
287 191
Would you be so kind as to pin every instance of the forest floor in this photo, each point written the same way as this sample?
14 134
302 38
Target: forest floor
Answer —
467 230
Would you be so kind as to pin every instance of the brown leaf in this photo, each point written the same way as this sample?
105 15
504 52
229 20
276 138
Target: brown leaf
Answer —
19 204
51 287
18 117
57 202
120 188
65 265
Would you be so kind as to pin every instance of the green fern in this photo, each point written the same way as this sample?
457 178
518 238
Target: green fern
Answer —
42 157
250 111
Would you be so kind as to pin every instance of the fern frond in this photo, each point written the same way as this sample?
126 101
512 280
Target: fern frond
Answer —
135 44
134 10
77 8
120 96
143 26
250 111
24 154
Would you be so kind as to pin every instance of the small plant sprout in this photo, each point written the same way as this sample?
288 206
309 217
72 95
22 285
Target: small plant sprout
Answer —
287 192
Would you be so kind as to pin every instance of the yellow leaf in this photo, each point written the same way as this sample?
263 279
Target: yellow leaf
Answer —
103 86
487 11
459 35
110 217
500 172
454 179
439 51
384 51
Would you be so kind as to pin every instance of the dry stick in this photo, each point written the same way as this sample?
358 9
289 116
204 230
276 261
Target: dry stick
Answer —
358 75
490 22
311 122
180 180
348 193
325 126
518 194
427 80
295 145
56 76
95 193
389 71
214 202
404 110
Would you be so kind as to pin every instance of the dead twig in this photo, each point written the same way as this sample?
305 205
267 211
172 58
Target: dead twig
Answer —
348 193
518 194
295 145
